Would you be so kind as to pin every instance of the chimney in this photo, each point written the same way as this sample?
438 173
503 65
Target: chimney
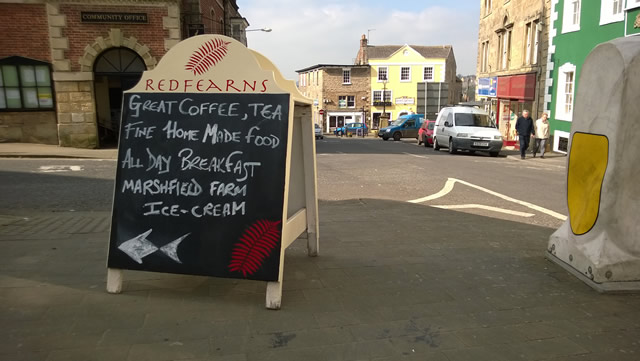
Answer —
363 54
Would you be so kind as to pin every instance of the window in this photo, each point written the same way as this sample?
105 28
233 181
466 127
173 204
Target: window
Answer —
484 56
25 84
505 48
527 41
346 76
405 73
568 92
565 92
351 101
536 41
427 73
377 96
487 7
611 11
571 17
382 73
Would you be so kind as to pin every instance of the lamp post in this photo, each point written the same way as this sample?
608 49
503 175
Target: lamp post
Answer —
384 118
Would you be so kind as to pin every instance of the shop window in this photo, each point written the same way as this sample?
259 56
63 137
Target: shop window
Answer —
571 16
25 84
427 73
382 73
346 76
405 73
611 11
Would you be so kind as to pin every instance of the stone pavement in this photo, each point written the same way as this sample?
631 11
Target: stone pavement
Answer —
394 281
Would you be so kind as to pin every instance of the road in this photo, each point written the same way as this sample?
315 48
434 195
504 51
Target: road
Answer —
529 191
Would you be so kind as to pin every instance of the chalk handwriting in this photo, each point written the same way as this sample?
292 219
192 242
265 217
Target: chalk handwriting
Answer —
159 162
220 136
266 111
261 141
151 187
138 132
209 209
229 164
173 132
130 161
226 189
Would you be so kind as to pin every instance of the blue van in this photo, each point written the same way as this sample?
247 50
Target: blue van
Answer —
406 126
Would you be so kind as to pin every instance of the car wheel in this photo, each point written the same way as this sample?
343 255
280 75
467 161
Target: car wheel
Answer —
494 154
396 136
385 138
436 146
452 148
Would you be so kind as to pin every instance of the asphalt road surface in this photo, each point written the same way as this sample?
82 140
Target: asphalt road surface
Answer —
530 191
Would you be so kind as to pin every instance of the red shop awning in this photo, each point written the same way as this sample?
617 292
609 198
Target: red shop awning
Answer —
520 87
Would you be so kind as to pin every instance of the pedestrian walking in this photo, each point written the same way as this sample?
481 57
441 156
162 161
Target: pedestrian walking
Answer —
542 134
524 130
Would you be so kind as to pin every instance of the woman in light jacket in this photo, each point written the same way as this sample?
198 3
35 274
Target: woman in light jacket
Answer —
542 134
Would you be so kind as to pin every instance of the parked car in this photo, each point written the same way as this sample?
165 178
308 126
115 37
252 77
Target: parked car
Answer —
405 126
318 130
425 133
352 128
466 128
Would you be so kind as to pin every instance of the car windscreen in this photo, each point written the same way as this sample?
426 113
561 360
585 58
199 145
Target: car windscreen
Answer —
398 122
472 120
431 125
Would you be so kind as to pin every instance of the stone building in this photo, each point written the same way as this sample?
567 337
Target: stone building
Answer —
65 64
340 94
513 39
397 71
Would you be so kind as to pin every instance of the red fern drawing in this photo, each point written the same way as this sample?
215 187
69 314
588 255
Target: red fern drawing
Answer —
209 54
254 246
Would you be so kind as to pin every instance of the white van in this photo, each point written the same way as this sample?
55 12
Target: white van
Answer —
466 128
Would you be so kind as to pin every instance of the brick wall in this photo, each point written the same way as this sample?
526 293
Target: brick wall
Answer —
360 87
24 31
81 34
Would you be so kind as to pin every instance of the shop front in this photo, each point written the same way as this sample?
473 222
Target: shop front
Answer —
487 91
339 119
515 94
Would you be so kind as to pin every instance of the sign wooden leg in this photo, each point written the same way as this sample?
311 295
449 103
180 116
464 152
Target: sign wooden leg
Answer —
274 295
114 280
312 244
311 185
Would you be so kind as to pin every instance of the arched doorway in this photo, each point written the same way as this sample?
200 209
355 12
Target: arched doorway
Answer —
115 71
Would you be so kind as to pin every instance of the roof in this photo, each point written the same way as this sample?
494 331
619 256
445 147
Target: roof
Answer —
320 66
385 51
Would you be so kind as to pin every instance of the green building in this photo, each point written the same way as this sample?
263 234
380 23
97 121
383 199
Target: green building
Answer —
577 27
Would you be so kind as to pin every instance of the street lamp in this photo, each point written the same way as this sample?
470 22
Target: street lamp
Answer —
266 30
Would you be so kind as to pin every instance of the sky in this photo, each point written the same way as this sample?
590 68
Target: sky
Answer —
309 32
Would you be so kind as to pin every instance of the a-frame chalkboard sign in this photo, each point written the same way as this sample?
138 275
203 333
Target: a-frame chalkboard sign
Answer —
216 170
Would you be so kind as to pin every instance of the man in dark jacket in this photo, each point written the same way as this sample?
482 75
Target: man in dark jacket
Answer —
524 129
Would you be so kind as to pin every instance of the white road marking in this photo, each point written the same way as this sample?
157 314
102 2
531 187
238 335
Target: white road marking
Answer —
416 155
60 168
451 182
448 187
488 208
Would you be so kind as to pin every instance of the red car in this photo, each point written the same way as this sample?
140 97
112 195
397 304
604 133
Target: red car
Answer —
425 133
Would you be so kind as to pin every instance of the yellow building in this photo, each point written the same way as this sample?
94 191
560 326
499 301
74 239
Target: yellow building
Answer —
396 71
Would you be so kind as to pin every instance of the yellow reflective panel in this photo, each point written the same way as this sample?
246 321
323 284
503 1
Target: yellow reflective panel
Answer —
587 164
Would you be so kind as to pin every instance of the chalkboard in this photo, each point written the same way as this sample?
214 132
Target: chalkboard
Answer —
200 184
